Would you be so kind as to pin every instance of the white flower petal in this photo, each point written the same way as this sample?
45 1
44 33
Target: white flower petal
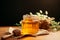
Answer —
41 11
46 12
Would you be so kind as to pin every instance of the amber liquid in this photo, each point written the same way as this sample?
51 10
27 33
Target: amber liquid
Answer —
29 27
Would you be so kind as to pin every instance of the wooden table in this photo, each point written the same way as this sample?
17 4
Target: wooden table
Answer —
51 36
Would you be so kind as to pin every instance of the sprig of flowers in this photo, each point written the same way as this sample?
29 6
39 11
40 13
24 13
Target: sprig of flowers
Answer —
44 16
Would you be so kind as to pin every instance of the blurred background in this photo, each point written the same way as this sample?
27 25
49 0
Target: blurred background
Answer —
13 10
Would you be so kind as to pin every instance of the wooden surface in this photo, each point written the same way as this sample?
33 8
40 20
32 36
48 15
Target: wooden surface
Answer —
51 36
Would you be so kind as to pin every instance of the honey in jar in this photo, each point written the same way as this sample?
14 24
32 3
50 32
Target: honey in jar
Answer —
29 26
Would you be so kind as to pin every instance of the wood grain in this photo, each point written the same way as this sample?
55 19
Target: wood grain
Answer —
51 36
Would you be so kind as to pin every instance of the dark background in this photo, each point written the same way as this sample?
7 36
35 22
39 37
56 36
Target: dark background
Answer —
12 10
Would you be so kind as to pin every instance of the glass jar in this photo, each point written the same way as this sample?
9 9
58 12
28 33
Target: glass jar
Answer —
29 26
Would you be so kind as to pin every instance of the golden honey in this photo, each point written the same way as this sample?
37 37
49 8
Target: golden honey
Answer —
29 26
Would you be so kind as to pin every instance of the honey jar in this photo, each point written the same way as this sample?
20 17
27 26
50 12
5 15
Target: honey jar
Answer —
29 26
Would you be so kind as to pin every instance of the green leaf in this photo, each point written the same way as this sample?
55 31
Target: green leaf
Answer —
17 24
